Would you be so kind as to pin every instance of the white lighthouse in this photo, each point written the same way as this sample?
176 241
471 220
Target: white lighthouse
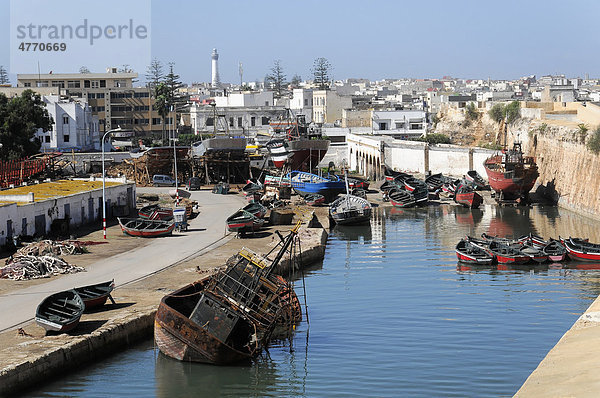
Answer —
216 82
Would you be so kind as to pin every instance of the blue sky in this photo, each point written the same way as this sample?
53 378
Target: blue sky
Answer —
371 39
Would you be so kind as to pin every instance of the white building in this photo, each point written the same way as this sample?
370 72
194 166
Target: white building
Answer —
238 120
262 98
302 103
74 127
328 106
400 124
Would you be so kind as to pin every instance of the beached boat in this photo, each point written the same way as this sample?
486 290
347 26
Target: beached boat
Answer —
96 295
468 253
221 145
350 210
296 145
360 192
144 228
434 182
256 209
314 199
221 188
401 198
466 196
60 312
228 317
391 175
243 221
511 174
473 178
581 249
306 183
357 182
155 212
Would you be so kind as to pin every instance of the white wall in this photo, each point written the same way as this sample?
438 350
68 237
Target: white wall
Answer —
449 161
52 209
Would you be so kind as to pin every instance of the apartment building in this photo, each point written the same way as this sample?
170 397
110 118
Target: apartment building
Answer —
111 97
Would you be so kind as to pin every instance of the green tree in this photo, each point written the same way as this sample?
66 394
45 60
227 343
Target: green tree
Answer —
508 113
296 80
276 79
162 103
3 76
471 112
593 143
20 119
154 73
582 129
321 71
497 113
84 69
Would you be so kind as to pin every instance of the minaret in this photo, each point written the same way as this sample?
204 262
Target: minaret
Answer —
216 82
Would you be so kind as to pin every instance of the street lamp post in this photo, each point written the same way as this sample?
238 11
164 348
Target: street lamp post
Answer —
104 181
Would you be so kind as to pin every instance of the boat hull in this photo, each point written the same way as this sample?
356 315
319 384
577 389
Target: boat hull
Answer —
134 230
469 199
94 296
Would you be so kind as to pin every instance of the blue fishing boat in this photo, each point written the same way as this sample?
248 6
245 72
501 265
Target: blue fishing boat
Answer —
306 183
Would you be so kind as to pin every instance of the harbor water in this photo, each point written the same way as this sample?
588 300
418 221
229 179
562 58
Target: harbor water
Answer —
392 313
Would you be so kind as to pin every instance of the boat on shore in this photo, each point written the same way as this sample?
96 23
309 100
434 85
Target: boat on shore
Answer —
511 174
473 178
305 183
230 316
256 209
155 212
296 145
314 199
243 221
144 228
60 312
401 198
94 296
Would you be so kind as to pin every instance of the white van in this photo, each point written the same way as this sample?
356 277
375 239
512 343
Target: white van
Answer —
162 180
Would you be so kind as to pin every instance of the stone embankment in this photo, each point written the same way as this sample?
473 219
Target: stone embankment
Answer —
28 356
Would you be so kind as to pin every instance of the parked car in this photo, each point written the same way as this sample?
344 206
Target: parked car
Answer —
159 180
193 184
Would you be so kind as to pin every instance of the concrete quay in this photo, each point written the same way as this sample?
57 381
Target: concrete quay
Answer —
29 357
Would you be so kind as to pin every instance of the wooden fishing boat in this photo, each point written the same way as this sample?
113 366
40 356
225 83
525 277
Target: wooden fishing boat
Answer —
228 317
387 186
390 174
155 212
350 210
434 182
473 178
535 255
357 182
306 183
506 254
361 193
256 209
555 251
466 196
402 198
143 228
314 199
412 183
60 312
468 253
96 295
243 221
581 250
252 186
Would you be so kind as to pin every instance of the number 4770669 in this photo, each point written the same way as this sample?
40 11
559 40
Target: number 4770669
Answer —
34 46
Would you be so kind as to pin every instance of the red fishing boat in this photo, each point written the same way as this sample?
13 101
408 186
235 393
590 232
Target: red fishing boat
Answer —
511 174
96 295
468 253
581 249
466 196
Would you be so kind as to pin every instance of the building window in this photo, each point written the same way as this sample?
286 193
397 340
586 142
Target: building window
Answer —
47 138
42 84
92 95
86 84
155 121
210 121
239 122
305 101
27 84
265 120
95 84
266 103
99 95
73 84
102 83
65 119
253 121
141 95
66 138
58 83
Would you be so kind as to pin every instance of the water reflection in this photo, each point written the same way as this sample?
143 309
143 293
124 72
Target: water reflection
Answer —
353 232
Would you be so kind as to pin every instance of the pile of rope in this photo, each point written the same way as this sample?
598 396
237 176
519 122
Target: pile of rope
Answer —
40 260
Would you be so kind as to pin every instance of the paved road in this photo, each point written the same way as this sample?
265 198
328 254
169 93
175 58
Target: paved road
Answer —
19 306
